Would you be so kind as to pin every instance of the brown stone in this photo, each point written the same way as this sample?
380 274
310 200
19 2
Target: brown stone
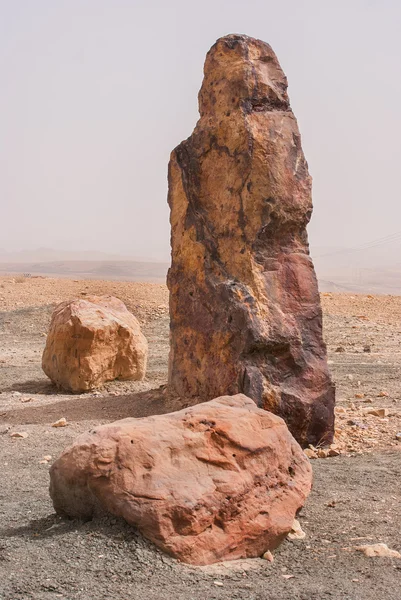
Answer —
218 481
91 341
244 303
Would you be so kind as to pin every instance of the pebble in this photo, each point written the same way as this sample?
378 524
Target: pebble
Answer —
296 532
268 556
377 412
60 423
19 434
381 550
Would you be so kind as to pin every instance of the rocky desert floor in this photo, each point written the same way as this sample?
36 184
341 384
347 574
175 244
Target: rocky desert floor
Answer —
356 498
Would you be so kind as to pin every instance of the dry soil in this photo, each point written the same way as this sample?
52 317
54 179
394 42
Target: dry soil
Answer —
356 498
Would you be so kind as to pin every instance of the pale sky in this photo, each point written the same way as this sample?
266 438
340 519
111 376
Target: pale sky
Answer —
96 93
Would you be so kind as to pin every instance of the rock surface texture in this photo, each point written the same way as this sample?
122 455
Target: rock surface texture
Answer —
91 341
244 303
218 481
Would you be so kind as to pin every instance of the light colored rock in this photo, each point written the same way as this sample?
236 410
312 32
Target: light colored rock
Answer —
268 556
377 412
334 452
19 434
91 341
244 303
221 480
382 550
296 533
60 423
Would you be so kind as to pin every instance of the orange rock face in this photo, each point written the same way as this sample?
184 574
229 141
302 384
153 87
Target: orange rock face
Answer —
218 481
91 341
244 303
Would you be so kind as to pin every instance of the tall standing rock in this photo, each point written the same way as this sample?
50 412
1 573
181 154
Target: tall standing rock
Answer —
244 302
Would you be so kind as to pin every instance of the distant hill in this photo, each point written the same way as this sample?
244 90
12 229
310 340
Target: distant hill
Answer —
375 270
128 270
42 255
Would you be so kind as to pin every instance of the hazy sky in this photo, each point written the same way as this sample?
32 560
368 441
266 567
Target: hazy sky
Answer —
96 93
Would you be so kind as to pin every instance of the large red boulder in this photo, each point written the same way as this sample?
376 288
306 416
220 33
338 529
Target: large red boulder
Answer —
244 302
217 481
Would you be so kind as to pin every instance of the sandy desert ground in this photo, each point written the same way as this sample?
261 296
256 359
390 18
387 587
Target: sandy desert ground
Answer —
356 497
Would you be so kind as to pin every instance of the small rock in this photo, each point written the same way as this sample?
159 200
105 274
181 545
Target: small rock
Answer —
218 583
296 532
377 412
47 457
359 396
322 453
398 436
367 348
340 349
19 434
60 423
288 576
16 394
383 394
378 550
268 556
310 453
334 452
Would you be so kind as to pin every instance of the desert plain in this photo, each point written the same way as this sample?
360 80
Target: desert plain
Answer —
356 498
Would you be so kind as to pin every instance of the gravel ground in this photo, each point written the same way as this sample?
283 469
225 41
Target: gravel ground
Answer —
356 497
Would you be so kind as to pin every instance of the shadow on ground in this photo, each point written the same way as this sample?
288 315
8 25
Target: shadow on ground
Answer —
100 408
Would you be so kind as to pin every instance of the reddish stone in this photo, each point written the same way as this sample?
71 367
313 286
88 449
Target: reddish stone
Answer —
218 481
244 303
93 340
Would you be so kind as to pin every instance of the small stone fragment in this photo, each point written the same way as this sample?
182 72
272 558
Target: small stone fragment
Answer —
296 532
340 349
398 436
367 348
334 452
19 434
377 412
310 453
322 453
60 423
268 556
383 394
218 583
381 550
